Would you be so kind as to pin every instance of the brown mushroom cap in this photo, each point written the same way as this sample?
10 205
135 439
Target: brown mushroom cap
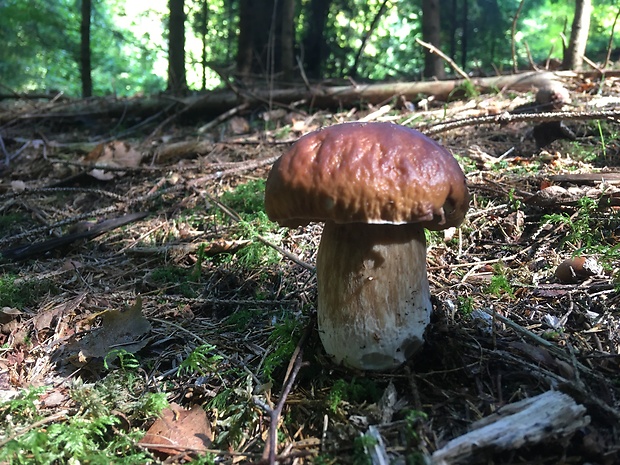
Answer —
369 173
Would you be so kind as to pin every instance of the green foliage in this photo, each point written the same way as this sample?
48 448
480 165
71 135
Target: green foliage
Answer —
240 319
235 410
126 360
256 254
589 231
41 40
282 342
466 305
581 232
465 89
247 200
41 49
413 420
202 360
500 285
23 407
20 293
515 203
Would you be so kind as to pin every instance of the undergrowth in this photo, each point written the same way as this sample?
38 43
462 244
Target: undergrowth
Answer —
91 430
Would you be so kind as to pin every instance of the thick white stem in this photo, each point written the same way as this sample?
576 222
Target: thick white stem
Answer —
373 295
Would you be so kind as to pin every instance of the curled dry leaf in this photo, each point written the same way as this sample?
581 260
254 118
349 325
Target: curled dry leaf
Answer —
178 430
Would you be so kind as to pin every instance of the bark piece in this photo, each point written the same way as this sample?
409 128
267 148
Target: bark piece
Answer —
548 416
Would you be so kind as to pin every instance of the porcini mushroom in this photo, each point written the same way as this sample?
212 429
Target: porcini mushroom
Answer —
376 186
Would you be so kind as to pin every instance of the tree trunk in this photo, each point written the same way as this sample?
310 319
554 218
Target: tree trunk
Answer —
259 41
314 44
203 28
573 58
431 33
177 83
244 41
85 57
288 39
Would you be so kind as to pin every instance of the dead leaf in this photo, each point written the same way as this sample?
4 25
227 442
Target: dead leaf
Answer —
115 154
224 246
238 125
178 430
119 330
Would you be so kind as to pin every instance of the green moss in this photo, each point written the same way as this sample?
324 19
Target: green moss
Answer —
20 293
175 280
353 391
89 435
246 199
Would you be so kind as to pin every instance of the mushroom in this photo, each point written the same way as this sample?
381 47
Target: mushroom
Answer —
576 269
376 186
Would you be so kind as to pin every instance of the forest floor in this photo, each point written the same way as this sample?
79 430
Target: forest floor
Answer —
188 303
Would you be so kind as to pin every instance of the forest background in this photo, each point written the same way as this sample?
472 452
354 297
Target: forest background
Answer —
125 48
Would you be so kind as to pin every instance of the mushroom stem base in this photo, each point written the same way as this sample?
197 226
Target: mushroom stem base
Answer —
373 294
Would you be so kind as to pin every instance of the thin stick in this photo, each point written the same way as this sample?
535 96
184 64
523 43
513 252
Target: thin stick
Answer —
274 414
449 60
610 44
223 117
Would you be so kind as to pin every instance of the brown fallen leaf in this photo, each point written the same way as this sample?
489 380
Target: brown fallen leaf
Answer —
178 430
115 154
120 329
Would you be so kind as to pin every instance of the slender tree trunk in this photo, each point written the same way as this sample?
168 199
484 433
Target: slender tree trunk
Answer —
314 43
204 28
453 28
288 39
431 33
177 83
465 28
230 11
85 57
573 59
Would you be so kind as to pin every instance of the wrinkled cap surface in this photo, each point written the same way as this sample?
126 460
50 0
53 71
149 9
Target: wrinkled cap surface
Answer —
367 173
